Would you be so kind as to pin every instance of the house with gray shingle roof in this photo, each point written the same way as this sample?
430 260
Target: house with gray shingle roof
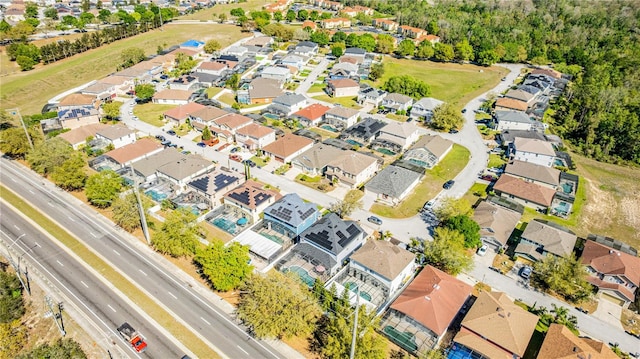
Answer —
428 151
290 102
424 107
341 117
514 120
541 238
404 134
117 135
291 215
393 184
371 95
397 102
496 223
542 175
185 169
314 161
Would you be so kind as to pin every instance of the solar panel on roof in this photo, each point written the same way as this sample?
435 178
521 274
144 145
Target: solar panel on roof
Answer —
222 180
242 197
308 213
260 198
201 183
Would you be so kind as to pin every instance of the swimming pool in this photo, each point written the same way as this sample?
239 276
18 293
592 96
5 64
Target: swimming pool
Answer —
303 274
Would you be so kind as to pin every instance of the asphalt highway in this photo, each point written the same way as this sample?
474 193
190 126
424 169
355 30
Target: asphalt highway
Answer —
133 260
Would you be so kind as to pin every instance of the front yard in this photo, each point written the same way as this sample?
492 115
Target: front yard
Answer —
431 184
343 101
151 113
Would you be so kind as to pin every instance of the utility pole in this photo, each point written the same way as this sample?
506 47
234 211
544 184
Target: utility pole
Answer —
355 326
143 217
16 266
57 317
16 112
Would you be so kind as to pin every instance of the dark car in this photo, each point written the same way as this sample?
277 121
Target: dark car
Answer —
164 77
453 131
171 132
235 149
201 144
374 220
464 110
165 143
249 163
525 272
161 138
448 184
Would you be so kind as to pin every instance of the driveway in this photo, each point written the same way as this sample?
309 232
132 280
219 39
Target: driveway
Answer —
609 312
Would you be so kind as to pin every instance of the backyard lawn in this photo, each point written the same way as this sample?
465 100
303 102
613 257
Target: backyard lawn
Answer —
151 112
495 161
51 80
476 192
212 91
227 98
431 184
449 82
344 101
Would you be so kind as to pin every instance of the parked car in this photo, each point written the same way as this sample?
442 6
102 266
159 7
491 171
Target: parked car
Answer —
171 132
249 163
464 110
482 250
161 138
489 178
201 144
236 158
453 131
429 204
235 149
448 184
374 220
525 272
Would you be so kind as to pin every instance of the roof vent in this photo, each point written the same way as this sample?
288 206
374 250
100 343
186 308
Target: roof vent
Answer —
427 297
436 286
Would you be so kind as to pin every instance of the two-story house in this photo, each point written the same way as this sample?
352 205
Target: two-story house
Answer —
397 102
260 91
428 151
214 185
306 48
335 23
179 115
343 88
288 103
291 215
255 136
279 73
228 125
541 238
527 193
386 24
341 117
424 107
250 199
343 70
531 172
117 135
213 68
311 115
352 168
363 132
533 151
496 223
371 95
514 120
314 161
402 134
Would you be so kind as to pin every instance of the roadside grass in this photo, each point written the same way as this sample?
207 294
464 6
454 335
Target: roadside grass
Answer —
495 161
151 112
208 14
32 89
478 191
449 82
212 91
344 101
154 310
316 88
430 185
353 195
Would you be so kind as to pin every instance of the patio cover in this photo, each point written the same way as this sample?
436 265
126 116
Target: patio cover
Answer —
259 245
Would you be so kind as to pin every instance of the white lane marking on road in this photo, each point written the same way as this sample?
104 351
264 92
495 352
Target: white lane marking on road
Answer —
71 219
116 252
204 320
13 180
16 227
110 307
93 235
60 263
244 351
171 294
37 244
84 284
50 204
30 191
145 274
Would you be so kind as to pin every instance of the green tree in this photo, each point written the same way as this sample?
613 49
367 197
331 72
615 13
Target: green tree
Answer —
145 92
463 51
184 64
277 16
126 213
48 155
376 71
425 50
385 44
291 15
320 37
14 143
103 188
406 48
206 134
131 56
314 15
488 57
468 227
62 348
367 42
212 46
21 31
30 10
451 207
277 306
226 267
25 63
70 175
11 302
447 252
233 82
51 13
561 316
565 276
111 109
444 52
237 12
407 85
348 205
5 27
178 236
446 117
85 5
337 49
303 15
432 27
339 36
222 17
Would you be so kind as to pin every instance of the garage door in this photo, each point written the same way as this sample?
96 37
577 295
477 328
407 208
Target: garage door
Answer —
612 299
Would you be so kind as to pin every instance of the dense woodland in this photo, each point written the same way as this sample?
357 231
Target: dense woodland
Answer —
600 113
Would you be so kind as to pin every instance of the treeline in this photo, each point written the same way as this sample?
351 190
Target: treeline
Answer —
28 55
599 113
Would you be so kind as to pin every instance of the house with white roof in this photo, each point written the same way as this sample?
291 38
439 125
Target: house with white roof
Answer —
534 151
118 136
403 134
424 107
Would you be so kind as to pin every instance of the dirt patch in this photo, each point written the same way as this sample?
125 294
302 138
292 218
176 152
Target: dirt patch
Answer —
630 208
600 208
480 287
630 321
301 345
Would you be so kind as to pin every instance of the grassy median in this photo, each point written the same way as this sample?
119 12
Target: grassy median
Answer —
155 311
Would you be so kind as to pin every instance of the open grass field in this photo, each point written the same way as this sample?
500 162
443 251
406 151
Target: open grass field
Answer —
121 283
431 184
151 112
32 89
449 82
343 101
212 13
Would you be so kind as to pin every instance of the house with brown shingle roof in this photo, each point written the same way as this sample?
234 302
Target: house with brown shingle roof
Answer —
206 115
505 103
172 97
561 343
251 199
542 237
548 72
542 175
261 90
225 127
133 152
311 115
77 137
180 114
255 136
426 309
341 117
314 161
117 135
403 134
78 100
286 148
343 88
614 272
526 193
496 223
352 168
213 68
496 328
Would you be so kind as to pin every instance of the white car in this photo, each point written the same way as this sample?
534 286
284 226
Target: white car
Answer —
482 250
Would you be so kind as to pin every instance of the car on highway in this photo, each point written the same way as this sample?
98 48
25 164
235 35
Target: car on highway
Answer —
201 144
448 184
374 220
171 132
482 250
525 272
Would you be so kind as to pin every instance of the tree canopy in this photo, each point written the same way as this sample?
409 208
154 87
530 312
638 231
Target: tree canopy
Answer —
145 92
178 236
566 276
447 251
277 306
11 302
226 267
62 348
70 175
407 85
103 188
212 46
126 213
131 56
468 227
48 155
446 117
